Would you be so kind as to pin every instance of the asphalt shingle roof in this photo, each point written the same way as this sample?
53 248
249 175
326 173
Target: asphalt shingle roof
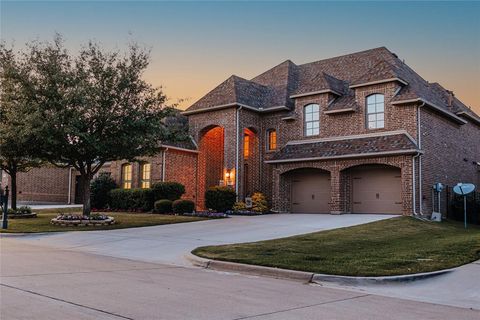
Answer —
274 87
347 147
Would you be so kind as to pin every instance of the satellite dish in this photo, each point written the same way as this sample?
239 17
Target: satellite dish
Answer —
464 188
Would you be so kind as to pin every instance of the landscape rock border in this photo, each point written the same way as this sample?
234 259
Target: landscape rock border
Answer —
83 222
306 277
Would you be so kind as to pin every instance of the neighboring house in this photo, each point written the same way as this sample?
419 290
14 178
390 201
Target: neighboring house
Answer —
359 133
48 184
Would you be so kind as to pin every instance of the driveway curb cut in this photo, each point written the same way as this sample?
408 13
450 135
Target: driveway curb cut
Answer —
306 277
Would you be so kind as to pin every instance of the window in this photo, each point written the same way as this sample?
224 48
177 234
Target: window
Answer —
375 111
272 140
127 176
246 146
312 119
145 175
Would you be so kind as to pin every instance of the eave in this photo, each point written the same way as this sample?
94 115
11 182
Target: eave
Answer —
314 93
433 106
378 82
234 104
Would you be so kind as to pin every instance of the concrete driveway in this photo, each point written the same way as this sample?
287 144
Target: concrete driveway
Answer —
168 244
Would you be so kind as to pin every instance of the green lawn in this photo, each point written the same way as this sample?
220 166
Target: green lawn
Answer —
390 247
123 220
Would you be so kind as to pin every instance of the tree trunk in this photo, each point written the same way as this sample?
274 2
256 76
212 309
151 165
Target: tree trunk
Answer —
87 207
13 189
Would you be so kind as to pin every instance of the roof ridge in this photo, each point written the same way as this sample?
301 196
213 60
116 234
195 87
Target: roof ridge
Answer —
290 62
383 48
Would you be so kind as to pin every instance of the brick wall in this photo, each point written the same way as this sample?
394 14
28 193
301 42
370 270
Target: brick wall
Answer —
451 151
47 184
181 166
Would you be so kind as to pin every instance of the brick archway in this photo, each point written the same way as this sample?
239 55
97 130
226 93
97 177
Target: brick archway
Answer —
210 160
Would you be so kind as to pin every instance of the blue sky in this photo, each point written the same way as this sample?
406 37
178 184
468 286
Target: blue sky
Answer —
196 45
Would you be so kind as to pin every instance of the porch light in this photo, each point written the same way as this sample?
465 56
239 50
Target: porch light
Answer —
229 177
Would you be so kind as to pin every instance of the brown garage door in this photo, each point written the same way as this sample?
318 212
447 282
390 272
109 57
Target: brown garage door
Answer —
377 190
311 192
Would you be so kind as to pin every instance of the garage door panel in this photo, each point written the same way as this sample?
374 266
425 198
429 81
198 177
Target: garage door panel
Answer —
376 190
311 192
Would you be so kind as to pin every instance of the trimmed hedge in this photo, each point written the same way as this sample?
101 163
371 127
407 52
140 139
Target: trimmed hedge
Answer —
100 188
183 206
168 190
163 206
220 199
131 199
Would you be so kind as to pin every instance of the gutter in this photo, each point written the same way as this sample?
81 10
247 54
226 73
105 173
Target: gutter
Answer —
234 104
434 107
355 155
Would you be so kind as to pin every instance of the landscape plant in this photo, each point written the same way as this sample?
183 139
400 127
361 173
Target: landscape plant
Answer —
220 199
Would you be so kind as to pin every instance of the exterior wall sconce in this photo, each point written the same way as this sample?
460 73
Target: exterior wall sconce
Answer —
229 177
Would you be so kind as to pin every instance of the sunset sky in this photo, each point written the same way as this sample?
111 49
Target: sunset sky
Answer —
197 45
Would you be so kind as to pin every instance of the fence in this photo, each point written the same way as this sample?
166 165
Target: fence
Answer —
455 206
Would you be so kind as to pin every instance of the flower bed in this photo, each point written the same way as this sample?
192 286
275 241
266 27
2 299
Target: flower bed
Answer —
207 214
80 220
22 215
247 213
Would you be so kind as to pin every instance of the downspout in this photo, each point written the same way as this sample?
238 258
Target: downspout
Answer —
237 152
164 169
420 185
70 171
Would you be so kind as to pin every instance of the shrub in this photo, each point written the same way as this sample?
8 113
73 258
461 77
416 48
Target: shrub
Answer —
239 206
183 206
259 203
131 199
11 211
220 199
163 206
24 210
100 188
168 190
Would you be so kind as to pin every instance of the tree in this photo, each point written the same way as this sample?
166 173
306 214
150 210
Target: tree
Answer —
16 136
93 107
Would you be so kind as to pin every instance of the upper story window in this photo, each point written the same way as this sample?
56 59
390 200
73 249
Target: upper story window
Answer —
246 146
312 119
272 140
127 176
375 111
145 170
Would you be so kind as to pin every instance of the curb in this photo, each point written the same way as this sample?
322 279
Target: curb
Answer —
348 280
301 276
305 277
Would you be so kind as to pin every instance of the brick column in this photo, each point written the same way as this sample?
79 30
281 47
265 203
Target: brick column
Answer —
335 191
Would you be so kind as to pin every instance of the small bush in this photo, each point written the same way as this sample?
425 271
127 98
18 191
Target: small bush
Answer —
259 203
24 210
239 206
220 199
100 188
163 206
168 190
183 206
131 199
11 211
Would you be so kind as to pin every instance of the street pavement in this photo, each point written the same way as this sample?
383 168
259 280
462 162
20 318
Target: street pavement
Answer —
41 282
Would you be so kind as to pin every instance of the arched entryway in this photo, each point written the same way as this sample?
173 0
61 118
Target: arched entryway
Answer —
374 189
309 190
210 160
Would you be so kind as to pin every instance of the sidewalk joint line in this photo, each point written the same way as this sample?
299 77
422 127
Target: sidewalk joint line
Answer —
66 301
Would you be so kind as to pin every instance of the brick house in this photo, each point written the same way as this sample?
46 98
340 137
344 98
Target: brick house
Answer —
360 133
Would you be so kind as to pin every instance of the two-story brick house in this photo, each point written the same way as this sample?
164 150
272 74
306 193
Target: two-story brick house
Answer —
360 133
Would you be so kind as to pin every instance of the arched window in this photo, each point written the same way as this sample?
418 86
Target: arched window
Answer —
375 111
145 170
271 139
312 119
127 176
